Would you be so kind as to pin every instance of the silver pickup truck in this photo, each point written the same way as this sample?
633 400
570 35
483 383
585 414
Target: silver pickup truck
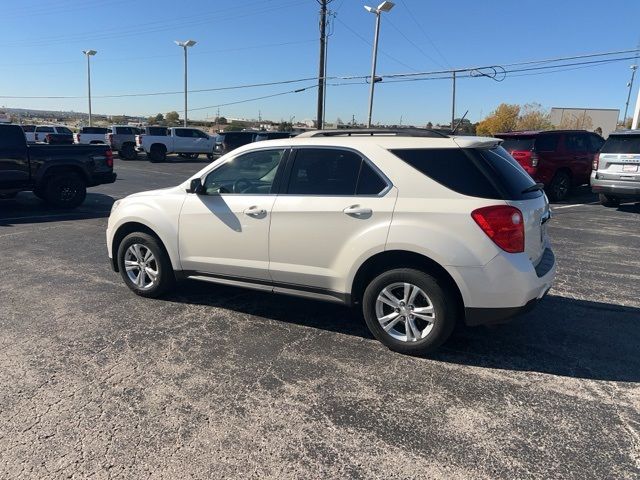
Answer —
123 140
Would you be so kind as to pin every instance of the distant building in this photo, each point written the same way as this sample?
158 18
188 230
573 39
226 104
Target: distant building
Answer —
5 118
592 119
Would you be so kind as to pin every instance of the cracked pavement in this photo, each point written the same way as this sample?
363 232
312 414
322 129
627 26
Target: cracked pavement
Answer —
218 382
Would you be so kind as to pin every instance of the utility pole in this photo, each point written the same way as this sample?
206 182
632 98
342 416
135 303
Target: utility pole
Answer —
630 85
453 102
321 66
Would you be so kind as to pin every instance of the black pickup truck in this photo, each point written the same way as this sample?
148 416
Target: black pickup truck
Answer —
59 174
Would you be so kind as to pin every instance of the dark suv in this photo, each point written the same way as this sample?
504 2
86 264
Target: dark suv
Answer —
560 159
227 141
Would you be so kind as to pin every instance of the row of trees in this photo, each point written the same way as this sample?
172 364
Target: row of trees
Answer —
509 117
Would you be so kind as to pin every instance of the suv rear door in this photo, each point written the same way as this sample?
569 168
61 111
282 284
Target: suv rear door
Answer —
334 202
579 155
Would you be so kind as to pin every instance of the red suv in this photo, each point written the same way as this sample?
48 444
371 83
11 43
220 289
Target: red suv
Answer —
560 159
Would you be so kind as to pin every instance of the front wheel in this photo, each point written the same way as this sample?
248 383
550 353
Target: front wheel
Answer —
157 153
144 265
66 190
560 187
409 311
128 152
609 201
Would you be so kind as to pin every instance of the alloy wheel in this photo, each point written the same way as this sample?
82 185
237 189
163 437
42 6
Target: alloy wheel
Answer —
141 266
405 312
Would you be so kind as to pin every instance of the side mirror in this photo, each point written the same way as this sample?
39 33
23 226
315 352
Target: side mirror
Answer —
195 186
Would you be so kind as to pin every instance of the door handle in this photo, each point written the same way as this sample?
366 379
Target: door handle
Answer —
357 211
255 211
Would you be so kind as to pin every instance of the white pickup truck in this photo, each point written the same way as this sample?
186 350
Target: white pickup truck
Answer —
189 142
91 135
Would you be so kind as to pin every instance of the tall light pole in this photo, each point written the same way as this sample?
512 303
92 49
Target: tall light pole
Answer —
185 45
89 54
630 85
383 7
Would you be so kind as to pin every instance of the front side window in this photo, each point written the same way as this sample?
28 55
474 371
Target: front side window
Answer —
320 171
252 173
576 142
64 130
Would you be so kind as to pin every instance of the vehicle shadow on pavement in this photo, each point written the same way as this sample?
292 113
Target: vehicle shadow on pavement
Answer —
578 196
27 208
561 336
629 208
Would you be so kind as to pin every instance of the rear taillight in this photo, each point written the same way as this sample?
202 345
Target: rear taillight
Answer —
502 224
596 162
109 158
78 137
139 139
47 137
110 138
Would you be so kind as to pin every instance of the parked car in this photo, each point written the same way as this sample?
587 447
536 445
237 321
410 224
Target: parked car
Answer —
560 159
123 140
92 135
53 134
58 174
416 229
29 132
225 142
616 169
186 141
259 136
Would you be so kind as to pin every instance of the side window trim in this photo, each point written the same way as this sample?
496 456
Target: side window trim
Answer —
292 157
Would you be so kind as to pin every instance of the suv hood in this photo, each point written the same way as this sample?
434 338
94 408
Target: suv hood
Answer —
159 191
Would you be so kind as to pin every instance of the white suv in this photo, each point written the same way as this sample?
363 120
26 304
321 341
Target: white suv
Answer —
416 229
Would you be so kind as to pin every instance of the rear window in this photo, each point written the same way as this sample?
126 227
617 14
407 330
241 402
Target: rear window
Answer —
28 128
159 131
11 138
96 130
622 144
64 130
518 144
484 173
126 131
44 129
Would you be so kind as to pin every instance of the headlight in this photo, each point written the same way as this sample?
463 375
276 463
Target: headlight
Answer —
115 205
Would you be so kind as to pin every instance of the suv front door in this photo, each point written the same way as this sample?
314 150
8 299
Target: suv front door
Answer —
224 231
335 208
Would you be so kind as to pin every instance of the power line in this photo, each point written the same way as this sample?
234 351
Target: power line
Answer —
426 35
418 47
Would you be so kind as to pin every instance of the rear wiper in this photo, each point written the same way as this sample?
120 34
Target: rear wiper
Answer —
533 188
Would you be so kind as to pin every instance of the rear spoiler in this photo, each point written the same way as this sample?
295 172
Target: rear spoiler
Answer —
485 143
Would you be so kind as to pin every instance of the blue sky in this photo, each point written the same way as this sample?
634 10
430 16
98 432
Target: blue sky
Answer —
253 41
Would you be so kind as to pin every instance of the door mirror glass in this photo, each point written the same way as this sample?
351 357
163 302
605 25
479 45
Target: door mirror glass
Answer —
195 186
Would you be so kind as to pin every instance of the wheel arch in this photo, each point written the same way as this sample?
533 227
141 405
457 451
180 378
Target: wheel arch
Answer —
124 230
392 259
54 170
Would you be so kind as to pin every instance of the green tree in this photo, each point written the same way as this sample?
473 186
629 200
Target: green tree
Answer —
234 127
429 125
221 120
502 119
172 118
119 119
285 127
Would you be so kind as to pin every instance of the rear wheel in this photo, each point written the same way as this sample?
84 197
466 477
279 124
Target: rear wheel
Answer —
66 190
560 187
144 265
157 153
128 152
210 156
409 311
609 201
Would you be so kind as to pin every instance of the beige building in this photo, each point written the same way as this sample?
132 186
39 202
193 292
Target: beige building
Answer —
592 119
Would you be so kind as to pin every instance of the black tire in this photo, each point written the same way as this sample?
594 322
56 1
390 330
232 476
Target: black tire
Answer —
157 153
440 298
128 152
210 156
165 278
65 190
192 156
560 187
609 201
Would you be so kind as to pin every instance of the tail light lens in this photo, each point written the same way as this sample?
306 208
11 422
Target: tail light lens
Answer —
109 158
596 162
47 137
139 140
503 224
110 138
78 137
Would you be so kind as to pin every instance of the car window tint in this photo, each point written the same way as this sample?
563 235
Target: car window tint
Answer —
323 171
64 130
11 138
622 144
251 173
546 143
44 129
29 128
576 142
369 181
596 142
507 173
452 168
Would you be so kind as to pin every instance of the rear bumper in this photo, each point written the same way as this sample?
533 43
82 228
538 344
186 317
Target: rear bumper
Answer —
507 286
618 188
102 178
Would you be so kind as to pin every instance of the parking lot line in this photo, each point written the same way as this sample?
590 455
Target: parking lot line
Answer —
574 205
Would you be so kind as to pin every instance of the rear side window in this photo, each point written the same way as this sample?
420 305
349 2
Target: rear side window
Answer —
44 129
29 128
507 173
11 138
95 130
596 142
546 143
159 131
125 131
622 144
64 130
518 144
576 142
450 167
332 172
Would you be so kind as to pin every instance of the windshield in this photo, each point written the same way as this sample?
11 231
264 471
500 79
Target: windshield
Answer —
622 144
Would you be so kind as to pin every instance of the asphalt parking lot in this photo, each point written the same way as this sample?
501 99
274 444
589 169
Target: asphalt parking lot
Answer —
217 382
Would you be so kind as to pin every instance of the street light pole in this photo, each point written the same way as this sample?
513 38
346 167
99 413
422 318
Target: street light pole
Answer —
630 85
383 7
185 45
89 54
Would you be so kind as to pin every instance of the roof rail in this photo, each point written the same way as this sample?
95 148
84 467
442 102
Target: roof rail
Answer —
398 132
